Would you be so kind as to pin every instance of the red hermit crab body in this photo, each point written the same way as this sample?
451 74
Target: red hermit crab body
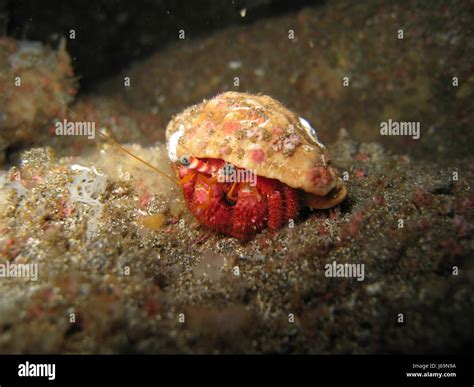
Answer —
223 199
245 163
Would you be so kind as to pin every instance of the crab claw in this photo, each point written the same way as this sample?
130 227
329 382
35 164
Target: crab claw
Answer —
333 198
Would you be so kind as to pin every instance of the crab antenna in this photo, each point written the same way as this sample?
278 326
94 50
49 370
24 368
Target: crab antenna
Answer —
109 138
102 134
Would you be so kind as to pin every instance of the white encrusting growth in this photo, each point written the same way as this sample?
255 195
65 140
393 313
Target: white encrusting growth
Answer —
255 105
173 143
323 159
238 107
86 187
6 185
311 131
250 122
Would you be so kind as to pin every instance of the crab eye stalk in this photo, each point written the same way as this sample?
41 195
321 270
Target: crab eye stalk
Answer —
227 170
184 160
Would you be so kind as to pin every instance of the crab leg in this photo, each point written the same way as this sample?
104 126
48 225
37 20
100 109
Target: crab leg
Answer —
210 182
230 194
188 177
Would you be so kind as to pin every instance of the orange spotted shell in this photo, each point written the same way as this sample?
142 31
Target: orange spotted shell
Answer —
258 133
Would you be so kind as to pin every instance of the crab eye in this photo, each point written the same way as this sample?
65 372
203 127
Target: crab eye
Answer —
228 169
184 160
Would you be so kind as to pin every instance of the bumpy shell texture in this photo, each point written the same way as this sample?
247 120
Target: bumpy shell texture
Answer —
257 133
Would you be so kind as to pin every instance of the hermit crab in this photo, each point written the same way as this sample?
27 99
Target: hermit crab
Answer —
246 163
